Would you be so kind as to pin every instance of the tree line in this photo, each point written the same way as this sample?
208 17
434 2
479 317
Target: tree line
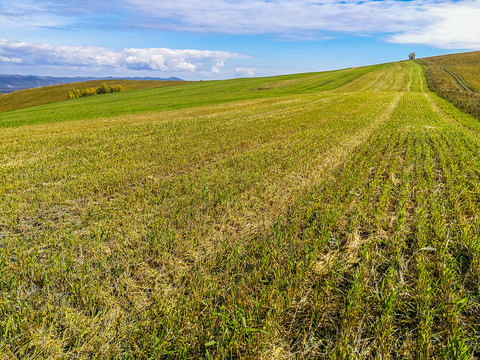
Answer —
104 89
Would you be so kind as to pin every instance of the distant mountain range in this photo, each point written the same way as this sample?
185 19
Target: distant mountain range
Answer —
11 83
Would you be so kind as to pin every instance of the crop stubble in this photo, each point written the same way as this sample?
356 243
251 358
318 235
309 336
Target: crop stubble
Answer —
327 224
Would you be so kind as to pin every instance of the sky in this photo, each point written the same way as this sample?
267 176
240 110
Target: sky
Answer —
221 39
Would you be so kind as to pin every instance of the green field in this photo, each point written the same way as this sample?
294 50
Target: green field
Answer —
314 216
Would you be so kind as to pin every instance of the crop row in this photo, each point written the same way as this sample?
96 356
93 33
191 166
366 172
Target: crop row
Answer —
334 224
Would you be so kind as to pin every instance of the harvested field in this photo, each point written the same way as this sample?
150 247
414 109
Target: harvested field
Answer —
330 215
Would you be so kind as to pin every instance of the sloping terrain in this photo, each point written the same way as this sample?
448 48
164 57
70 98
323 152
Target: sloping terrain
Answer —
11 83
330 215
174 97
456 78
50 94
464 65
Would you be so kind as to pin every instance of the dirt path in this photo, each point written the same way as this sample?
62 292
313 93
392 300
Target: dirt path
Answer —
462 84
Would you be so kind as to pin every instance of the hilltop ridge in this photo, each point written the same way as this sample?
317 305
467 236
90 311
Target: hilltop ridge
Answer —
11 83
55 93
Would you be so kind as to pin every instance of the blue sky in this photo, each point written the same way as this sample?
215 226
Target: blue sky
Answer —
222 39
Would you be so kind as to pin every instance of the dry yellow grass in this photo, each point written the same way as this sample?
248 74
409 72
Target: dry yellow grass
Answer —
467 65
456 79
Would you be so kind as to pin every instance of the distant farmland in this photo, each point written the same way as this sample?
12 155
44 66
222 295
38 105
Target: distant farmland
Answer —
49 94
325 215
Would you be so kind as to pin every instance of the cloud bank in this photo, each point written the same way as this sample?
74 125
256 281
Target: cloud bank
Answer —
155 59
438 23
447 24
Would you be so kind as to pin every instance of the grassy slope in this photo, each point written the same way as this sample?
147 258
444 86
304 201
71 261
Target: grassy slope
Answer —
306 224
467 65
192 95
50 94
456 78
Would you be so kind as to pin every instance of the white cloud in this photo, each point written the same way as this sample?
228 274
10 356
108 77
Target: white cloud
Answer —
439 23
17 15
217 66
155 59
245 71
10 60
456 26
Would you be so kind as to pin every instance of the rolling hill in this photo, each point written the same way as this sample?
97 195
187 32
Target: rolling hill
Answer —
11 83
456 78
55 93
460 68
324 215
